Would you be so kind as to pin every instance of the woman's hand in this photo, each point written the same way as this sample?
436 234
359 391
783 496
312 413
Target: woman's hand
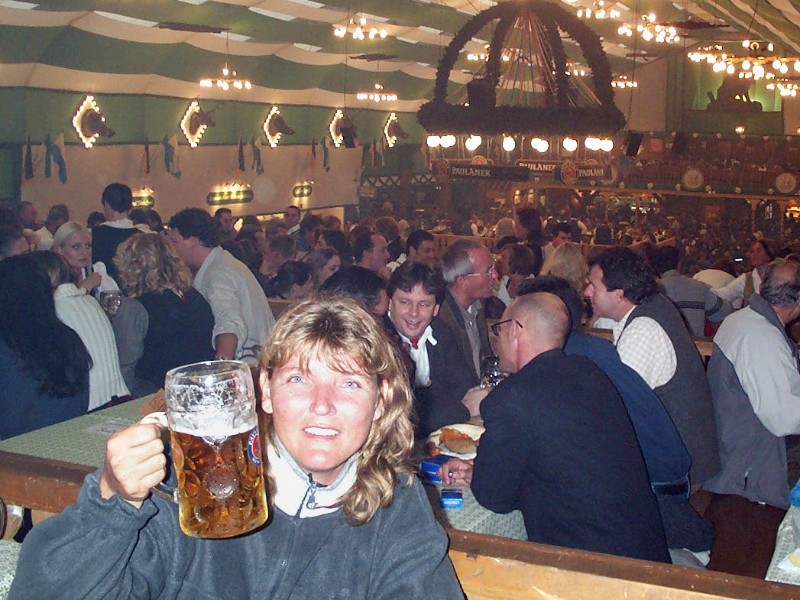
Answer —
90 282
134 463
456 472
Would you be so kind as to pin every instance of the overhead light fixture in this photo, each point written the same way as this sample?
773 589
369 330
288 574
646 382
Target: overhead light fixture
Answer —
599 10
433 141
229 77
473 142
650 30
739 129
622 81
447 141
377 95
569 144
508 143
359 29
540 145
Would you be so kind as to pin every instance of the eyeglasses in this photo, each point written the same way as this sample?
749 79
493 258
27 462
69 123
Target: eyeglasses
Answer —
496 326
490 273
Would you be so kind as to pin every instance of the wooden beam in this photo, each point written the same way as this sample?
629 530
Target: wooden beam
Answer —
491 567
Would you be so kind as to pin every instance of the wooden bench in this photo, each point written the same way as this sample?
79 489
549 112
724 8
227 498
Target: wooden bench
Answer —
492 568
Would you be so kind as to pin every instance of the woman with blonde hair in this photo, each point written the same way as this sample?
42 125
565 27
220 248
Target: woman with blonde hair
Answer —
567 261
165 322
349 517
324 263
74 244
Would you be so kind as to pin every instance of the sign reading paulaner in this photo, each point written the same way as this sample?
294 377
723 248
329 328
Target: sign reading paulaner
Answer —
488 172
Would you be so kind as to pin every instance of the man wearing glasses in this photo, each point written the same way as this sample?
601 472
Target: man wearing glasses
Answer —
559 445
469 273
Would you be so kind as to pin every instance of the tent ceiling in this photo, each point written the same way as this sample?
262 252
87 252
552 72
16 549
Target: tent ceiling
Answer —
288 50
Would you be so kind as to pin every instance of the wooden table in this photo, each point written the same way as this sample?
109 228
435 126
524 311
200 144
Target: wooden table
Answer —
44 469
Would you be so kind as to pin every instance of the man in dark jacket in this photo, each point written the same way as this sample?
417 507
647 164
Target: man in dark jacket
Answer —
559 445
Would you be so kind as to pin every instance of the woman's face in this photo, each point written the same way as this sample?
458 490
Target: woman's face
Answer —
301 292
328 269
77 250
322 416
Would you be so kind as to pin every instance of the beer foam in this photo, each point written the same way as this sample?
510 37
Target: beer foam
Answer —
215 430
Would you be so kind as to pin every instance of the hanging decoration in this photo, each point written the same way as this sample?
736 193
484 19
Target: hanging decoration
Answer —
28 159
532 92
54 153
256 164
228 79
392 130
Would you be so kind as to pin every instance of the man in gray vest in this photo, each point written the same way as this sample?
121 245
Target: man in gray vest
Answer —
653 340
756 388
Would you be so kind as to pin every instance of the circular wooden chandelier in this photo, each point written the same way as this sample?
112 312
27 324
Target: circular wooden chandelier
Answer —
526 85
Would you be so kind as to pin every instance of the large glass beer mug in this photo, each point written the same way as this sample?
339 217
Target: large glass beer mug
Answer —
211 413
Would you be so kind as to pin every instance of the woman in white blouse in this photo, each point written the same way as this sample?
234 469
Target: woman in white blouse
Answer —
80 311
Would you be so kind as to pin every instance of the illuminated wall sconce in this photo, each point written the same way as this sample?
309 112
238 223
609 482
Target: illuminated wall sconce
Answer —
195 122
275 126
89 124
342 130
302 191
230 193
392 130
143 198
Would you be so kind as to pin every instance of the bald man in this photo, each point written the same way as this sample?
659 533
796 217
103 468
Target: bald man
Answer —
559 445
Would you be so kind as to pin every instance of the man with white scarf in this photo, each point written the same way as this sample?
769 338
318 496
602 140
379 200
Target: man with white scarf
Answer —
445 389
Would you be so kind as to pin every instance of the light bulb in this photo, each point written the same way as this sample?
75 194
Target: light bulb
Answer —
473 142
433 141
509 144
448 141
606 145
570 144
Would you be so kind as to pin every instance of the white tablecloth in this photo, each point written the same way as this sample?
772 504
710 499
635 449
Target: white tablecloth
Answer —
784 545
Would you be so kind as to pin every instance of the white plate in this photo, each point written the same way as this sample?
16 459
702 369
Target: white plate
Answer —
473 431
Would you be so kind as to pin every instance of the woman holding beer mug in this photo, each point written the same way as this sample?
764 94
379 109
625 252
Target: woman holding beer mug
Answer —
349 519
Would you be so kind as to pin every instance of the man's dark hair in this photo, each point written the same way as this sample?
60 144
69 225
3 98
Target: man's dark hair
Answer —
118 196
362 243
138 216
416 238
626 270
282 243
411 273
309 223
558 286
337 240
505 241
387 227
781 284
665 259
95 218
221 211
57 213
528 218
8 237
195 222
292 207
562 227
362 285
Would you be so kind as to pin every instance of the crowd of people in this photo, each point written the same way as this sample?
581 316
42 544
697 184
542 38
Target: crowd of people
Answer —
598 443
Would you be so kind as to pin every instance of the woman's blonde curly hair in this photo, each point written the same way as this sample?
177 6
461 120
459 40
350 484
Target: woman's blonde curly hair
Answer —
148 263
344 335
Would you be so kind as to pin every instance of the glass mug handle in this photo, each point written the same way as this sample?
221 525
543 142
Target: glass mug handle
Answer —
162 490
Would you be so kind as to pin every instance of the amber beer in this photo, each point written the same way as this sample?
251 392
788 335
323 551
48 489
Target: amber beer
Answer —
220 483
215 449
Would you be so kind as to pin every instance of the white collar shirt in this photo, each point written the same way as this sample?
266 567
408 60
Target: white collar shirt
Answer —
420 356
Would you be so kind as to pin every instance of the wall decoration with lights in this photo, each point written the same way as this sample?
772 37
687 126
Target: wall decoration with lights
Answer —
194 123
230 193
143 198
342 130
89 123
275 126
392 131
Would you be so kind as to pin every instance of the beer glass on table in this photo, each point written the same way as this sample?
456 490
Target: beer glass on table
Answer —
216 451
